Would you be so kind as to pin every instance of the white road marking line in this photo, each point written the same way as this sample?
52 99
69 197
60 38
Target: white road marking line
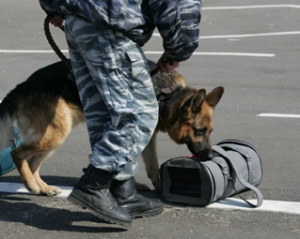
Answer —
19 188
157 52
229 203
30 51
267 206
251 35
158 35
252 7
219 54
244 35
279 115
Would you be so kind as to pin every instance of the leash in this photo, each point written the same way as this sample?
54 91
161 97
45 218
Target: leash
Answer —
53 44
58 51
154 72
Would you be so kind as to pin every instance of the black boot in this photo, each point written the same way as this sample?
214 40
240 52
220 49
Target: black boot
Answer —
92 192
127 197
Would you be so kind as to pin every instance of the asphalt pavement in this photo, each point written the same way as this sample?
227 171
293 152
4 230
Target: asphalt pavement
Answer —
252 49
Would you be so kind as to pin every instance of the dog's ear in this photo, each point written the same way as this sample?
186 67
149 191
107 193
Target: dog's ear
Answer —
214 97
197 100
194 104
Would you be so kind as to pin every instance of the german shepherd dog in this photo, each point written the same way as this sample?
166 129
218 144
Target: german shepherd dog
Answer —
46 107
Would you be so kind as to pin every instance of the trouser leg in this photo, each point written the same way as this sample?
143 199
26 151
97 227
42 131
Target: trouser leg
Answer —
121 112
117 95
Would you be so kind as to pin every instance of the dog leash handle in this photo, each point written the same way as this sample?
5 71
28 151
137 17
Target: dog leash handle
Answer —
165 61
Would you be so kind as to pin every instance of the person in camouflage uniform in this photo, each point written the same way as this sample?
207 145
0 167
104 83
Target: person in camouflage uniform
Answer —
112 75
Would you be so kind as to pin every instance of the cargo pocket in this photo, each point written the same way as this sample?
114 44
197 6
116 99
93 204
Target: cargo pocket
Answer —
117 84
139 68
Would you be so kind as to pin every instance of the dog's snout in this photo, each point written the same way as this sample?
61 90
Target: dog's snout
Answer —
204 155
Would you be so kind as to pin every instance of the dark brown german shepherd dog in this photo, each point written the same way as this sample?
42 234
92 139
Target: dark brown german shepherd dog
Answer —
47 106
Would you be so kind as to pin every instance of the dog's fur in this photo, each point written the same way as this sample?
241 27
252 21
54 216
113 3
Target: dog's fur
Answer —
47 106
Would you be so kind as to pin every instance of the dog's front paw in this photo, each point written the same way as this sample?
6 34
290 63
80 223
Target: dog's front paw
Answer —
32 187
51 191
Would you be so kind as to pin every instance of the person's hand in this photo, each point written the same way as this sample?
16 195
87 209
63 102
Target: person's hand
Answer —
166 65
57 21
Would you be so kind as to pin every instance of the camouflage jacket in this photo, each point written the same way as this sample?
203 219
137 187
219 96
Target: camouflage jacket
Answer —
178 21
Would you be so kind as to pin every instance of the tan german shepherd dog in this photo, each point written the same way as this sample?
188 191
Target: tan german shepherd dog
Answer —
46 107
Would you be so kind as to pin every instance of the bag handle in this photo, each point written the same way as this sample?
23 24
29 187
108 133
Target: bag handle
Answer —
240 177
236 149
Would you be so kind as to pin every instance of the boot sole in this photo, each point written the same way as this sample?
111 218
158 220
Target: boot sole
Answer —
83 205
147 214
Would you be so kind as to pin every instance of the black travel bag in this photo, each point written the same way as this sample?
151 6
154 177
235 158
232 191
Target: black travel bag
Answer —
236 167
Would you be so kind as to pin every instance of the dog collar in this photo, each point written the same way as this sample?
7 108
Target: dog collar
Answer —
166 91
163 94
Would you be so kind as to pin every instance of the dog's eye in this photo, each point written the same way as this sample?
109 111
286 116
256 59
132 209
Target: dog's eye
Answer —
200 132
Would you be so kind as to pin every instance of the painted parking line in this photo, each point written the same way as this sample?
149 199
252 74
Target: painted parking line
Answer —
237 36
156 53
267 34
267 206
29 51
219 54
18 188
229 203
279 115
252 7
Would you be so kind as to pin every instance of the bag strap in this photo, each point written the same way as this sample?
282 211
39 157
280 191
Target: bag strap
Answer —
245 155
225 170
240 177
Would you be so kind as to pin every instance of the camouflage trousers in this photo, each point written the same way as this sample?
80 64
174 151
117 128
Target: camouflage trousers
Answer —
115 88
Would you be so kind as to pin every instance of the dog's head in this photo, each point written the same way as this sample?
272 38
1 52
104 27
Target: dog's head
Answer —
195 122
